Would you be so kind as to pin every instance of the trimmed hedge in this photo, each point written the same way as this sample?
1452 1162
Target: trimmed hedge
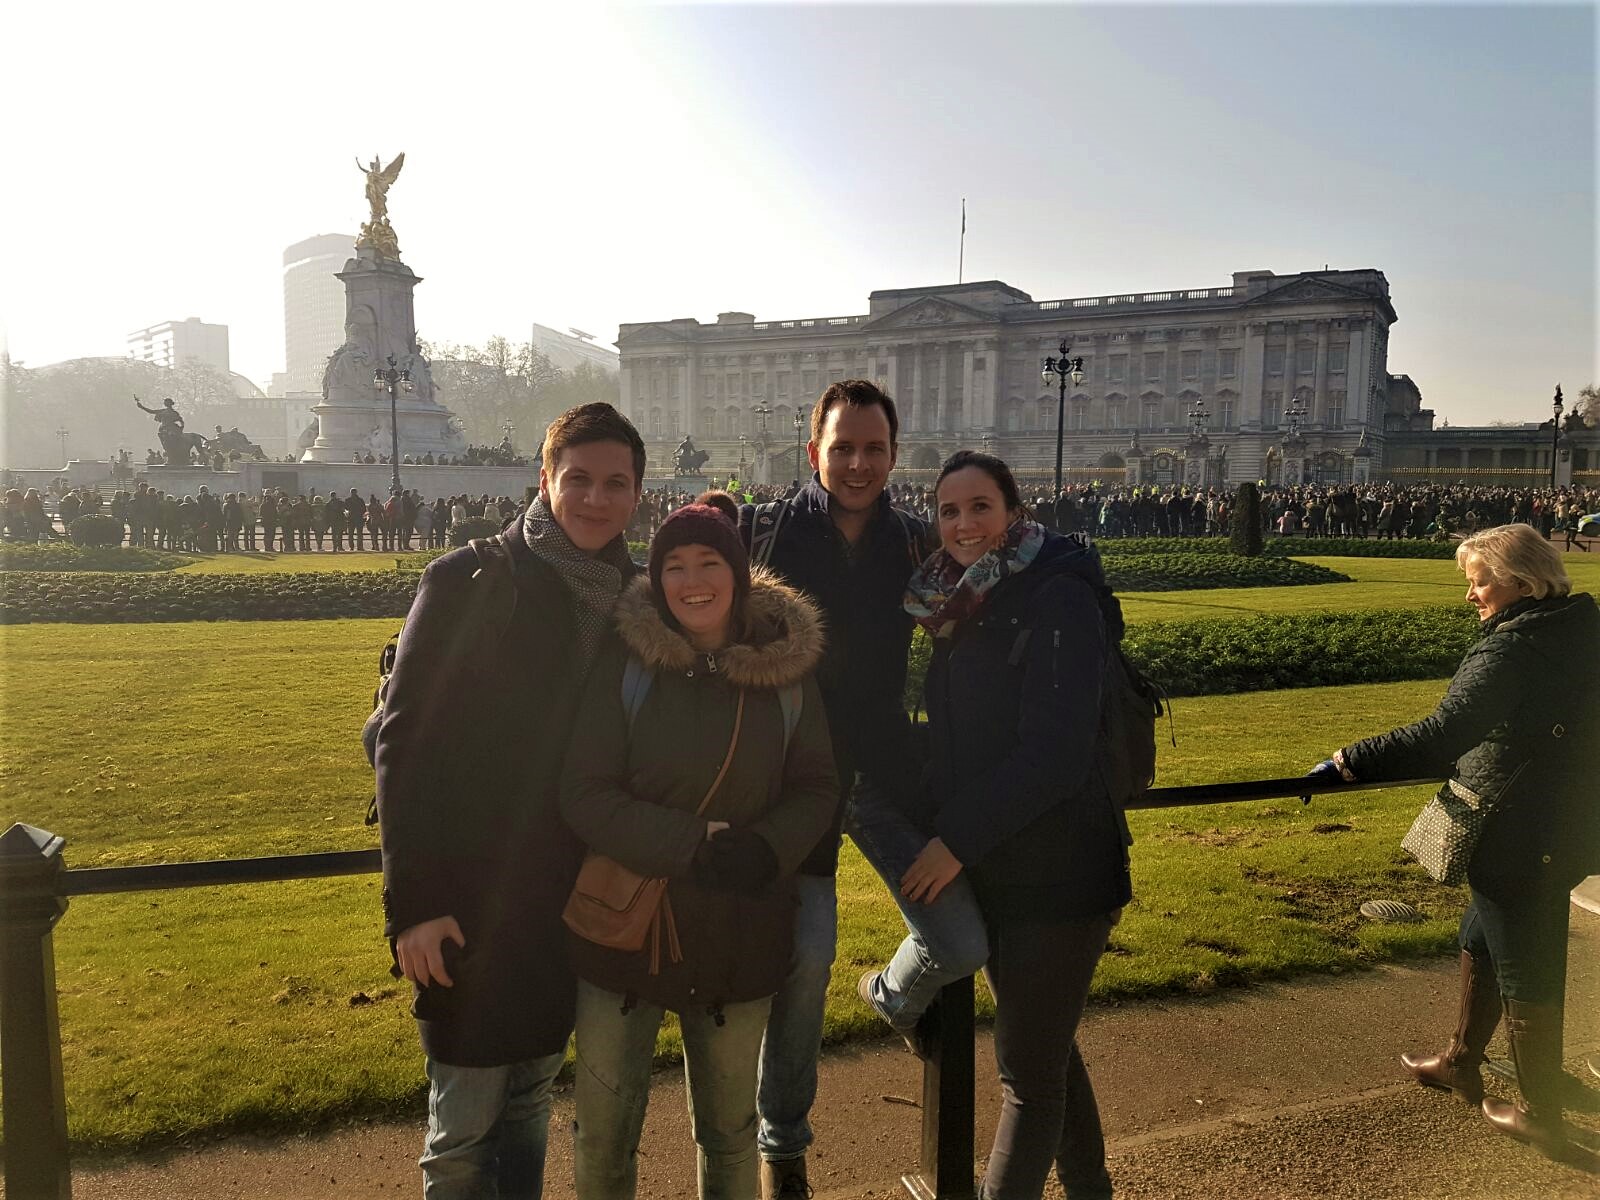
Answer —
96 529
1279 547
1183 572
27 597
1359 547
63 556
1200 658
1252 654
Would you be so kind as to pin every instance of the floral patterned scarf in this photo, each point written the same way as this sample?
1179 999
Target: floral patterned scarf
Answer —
941 593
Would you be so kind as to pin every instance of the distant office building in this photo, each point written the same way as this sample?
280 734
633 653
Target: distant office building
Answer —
313 307
175 343
568 350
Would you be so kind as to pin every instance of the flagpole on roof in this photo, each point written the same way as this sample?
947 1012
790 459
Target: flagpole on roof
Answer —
961 265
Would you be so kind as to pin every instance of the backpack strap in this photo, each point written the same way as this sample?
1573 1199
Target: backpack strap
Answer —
636 681
494 565
769 518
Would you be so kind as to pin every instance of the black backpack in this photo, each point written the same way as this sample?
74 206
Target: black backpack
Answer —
493 562
1130 706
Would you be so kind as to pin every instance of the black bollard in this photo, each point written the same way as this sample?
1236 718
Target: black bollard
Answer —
948 1079
34 1108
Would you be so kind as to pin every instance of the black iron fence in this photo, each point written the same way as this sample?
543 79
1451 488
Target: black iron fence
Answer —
36 885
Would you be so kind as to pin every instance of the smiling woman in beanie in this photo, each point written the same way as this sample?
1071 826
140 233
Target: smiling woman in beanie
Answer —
701 756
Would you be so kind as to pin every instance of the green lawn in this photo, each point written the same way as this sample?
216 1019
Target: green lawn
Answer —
1377 583
231 1008
315 561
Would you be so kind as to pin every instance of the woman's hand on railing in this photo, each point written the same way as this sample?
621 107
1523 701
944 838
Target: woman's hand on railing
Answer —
420 951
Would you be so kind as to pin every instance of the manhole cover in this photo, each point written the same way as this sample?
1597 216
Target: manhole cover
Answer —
1389 910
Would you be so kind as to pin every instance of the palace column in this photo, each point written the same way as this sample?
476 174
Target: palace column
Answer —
1319 393
918 420
969 402
941 409
1252 373
892 372
691 381
1359 385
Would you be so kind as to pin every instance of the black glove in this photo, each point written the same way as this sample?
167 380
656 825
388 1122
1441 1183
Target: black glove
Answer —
735 860
1326 771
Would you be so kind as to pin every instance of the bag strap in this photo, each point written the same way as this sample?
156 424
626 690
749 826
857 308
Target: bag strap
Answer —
727 760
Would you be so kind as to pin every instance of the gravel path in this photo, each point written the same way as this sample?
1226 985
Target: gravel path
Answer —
1276 1092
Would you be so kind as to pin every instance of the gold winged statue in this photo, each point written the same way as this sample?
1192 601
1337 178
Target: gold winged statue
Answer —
376 231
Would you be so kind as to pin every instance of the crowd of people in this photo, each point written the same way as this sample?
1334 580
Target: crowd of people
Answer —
608 792
270 521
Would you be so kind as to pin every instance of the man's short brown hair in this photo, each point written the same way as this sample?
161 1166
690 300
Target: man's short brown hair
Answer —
858 393
595 422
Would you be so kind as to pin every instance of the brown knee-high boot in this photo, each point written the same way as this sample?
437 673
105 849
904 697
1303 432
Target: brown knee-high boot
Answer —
1534 1031
1456 1069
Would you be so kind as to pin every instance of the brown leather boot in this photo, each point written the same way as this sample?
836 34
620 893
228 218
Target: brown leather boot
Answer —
785 1180
1534 1031
1456 1070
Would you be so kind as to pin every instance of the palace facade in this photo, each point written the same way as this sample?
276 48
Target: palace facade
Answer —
1172 380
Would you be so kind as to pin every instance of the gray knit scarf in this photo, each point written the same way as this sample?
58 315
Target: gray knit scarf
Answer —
595 581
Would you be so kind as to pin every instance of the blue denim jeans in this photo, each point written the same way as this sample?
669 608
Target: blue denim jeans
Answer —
487 1130
1526 941
615 1051
788 1083
946 940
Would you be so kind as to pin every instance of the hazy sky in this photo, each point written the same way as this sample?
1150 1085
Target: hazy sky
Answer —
586 165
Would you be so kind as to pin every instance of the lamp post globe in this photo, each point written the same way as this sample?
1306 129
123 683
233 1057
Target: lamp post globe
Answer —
1555 436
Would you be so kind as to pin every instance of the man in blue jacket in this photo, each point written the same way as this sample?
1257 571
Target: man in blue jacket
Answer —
841 542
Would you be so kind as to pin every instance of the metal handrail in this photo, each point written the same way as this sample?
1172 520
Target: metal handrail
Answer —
35 886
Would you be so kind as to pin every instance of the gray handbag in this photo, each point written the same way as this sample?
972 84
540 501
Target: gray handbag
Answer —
1446 832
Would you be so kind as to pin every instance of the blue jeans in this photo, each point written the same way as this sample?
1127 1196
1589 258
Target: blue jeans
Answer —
947 939
1526 941
788 1081
615 1051
487 1130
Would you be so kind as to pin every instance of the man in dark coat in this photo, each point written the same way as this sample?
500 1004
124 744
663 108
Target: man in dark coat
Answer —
477 864
840 542
356 513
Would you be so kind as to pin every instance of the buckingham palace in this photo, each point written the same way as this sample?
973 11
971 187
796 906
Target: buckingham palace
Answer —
1242 375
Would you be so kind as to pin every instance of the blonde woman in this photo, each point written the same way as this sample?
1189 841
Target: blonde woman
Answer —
1517 731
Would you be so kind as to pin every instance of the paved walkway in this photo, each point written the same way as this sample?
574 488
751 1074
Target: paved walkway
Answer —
1275 1092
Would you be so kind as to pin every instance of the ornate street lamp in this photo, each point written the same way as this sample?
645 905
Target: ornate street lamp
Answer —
392 379
1199 418
741 458
799 449
1295 414
1556 434
1058 371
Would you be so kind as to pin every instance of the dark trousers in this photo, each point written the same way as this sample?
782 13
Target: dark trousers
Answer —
1039 972
1526 940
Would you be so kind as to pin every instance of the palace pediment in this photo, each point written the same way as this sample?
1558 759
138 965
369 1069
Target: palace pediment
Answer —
930 312
646 335
1300 291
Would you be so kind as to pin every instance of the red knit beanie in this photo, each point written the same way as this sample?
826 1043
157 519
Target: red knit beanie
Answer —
712 521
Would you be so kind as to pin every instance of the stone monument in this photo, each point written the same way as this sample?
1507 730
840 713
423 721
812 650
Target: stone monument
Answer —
379 325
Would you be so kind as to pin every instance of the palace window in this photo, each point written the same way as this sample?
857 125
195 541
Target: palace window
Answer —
1227 363
1274 360
1336 410
1271 407
1191 364
1305 358
1119 369
1336 359
1225 413
1114 414
810 383
1080 414
1153 366
1151 414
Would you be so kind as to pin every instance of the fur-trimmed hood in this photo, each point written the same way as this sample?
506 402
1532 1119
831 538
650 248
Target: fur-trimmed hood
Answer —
782 643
